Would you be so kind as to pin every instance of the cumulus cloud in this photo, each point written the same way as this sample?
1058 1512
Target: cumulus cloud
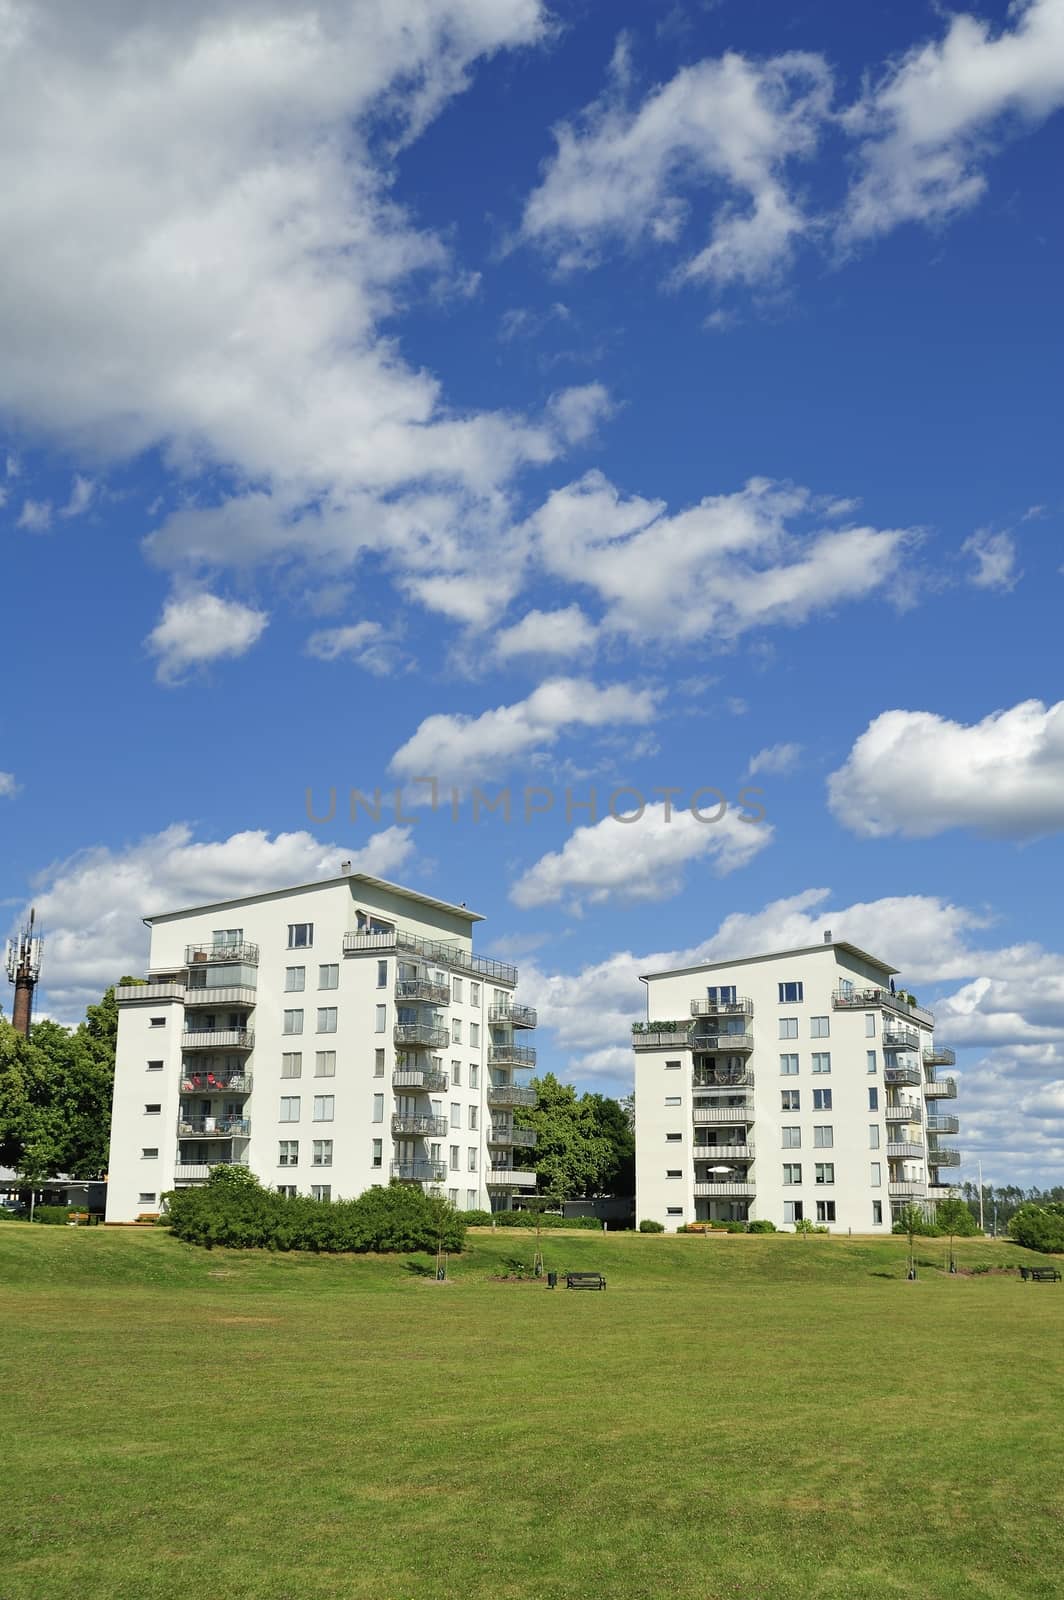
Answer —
81 494
567 632
35 516
995 560
90 906
367 644
642 859
776 759
463 748
8 786
197 628
916 773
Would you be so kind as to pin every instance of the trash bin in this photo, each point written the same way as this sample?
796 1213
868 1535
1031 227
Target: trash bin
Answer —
552 1280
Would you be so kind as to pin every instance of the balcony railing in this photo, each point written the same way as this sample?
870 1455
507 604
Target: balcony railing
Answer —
128 992
435 994
421 1036
196 954
912 1077
863 999
941 1089
511 1094
511 1055
214 1127
722 1043
235 994
722 1008
445 955
943 1158
218 1039
904 1150
939 1056
409 1127
208 1083
722 1078
723 1152
200 1171
430 1078
907 1189
733 1115
727 1190
524 1138
419 1171
510 1178
903 1113
678 1038
943 1125
894 1038
517 1016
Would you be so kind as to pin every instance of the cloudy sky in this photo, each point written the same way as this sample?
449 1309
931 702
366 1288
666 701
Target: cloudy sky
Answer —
568 399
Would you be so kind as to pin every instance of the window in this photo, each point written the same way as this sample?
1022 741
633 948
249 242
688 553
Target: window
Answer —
157 1022
674 1099
321 1191
672 1066
380 1019
324 1106
673 1138
326 1019
456 989
295 978
322 1156
821 1061
155 1066
674 1172
471 1199
791 1099
823 1138
877 1212
788 1027
456 1114
873 1099
824 1171
870 1061
821 1099
289 1108
288 1190
674 1211
452 1197
149 1153
474 994
288 1153
873 1136
300 935
146 1198
789 1066
870 1024
456 1030
791 992
454 1158
325 1063
472 1152
474 1035
382 974
378 1153
378 1108
472 1119
825 1211
293 1022
292 1064
792 1138
378 1063
723 994
474 1075
329 977
876 1173
792 1172
152 1110
792 1211
819 1027
456 1074
225 938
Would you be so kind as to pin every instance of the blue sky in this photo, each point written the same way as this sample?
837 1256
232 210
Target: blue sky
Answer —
650 395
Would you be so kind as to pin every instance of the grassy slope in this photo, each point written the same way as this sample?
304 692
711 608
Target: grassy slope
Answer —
755 1417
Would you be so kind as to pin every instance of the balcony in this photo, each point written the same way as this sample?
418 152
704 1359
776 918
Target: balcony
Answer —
218 1039
236 994
738 1077
895 1038
197 954
208 1083
430 1078
509 1178
728 1190
722 1008
912 1077
939 1056
722 1043
504 1011
732 1116
200 1171
128 992
723 1152
943 1158
421 1036
666 1036
407 1127
523 1138
943 1125
907 1189
941 1089
510 1094
511 1055
903 1113
866 999
419 1171
444 955
214 1127
433 994
904 1150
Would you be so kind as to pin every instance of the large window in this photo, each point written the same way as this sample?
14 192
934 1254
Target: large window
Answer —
825 1211
321 1191
792 1211
791 1099
823 1137
325 1063
300 935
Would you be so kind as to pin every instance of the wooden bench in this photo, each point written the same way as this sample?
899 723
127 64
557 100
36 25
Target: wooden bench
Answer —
584 1280
1040 1274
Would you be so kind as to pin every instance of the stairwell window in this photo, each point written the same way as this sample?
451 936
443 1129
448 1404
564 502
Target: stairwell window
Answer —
382 974
873 1136
873 1099
877 1213
870 1061
870 1024
380 1019
378 1063
875 1173
378 1153
378 1108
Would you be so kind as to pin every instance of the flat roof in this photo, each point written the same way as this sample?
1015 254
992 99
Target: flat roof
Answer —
323 883
772 955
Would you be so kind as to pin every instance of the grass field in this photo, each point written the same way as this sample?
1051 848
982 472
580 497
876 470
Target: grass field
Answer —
735 1417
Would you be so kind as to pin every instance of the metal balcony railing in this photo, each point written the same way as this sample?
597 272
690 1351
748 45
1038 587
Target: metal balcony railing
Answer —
419 1171
721 1077
729 1115
523 1138
941 1089
235 994
218 1039
940 1056
210 1083
197 954
907 1189
200 1171
512 1055
722 1008
943 1158
436 994
418 1127
894 1038
504 1011
444 955
727 1189
904 1150
903 1113
677 1038
511 1094
723 1152
510 1178
865 999
943 1125
421 1036
213 1127
911 1077
430 1078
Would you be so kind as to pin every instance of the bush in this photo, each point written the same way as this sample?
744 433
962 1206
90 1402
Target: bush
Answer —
53 1216
527 1219
648 1225
1039 1227
761 1225
475 1219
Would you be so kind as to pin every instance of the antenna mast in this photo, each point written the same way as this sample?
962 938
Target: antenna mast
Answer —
23 970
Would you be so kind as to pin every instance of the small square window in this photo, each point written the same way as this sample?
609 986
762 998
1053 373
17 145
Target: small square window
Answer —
325 1063
326 1019
792 1172
819 1027
821 1061
288 1153
792 1138
322 1152
788 1027
825 1211
324 1106
295 979
321 1191
300 935
791 1099
821 1099
293 1022
291 1064
789 1066
329 976
823 1138
824 1171
289 1108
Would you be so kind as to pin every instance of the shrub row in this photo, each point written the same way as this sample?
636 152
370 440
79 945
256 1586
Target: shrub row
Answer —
525 1219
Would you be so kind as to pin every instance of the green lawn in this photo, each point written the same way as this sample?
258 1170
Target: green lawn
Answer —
735 1417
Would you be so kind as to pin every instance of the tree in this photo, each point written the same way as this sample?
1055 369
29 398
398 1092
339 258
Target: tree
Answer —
953 1217
572 1151
612 1123
1039 1227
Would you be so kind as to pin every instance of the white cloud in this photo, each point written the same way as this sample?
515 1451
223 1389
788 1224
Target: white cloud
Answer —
639 860
463 749
197 628
777 759
36 515
929 122
917 774
995 560
81 493
8 786
90 906
567 632
368 644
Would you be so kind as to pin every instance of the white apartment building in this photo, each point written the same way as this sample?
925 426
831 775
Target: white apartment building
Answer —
788 1086
330 1036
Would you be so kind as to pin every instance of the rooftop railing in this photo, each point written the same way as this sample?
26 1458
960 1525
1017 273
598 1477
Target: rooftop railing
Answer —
722 1008
862 999
196 954
446 955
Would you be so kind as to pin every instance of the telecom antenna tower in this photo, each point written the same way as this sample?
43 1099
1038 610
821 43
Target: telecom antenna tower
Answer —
23 970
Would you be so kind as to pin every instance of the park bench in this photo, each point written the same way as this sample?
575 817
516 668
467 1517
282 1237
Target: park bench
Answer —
1040 1274
584 1280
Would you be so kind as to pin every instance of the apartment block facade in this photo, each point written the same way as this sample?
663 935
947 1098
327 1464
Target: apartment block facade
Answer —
789 1086
329 1036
